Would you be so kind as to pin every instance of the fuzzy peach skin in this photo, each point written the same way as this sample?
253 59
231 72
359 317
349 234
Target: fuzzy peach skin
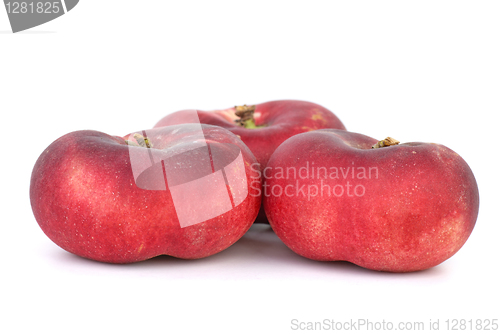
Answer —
273 122
399 208
85 198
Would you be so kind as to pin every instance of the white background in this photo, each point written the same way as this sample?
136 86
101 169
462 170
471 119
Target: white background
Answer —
417 71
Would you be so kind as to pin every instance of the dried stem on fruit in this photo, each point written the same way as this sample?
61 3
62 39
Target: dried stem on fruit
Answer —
246 119
389 141
141 141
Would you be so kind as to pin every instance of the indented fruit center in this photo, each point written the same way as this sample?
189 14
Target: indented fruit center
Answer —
389 141
246 119
140 141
